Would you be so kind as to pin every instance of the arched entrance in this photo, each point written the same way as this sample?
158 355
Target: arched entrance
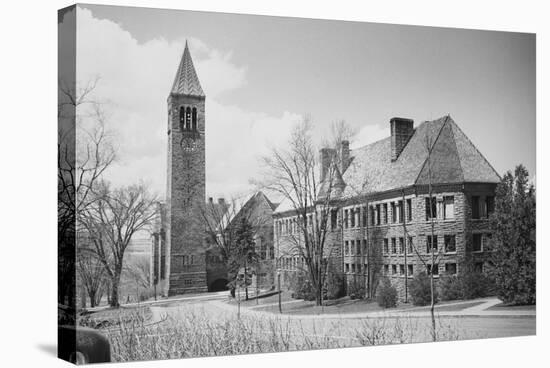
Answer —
219 285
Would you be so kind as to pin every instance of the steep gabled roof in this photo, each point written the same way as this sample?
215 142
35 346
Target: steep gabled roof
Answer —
454 159
186 81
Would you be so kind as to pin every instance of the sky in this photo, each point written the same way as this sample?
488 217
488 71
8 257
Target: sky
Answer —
261 74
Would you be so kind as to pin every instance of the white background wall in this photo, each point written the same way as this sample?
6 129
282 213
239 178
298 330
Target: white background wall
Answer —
28 153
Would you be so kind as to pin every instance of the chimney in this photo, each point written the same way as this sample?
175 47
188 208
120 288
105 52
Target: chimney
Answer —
326 157
344 155
402 130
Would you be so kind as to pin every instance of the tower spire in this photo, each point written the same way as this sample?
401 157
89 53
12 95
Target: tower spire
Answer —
186 81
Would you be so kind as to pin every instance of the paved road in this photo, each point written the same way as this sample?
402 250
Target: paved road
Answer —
470 323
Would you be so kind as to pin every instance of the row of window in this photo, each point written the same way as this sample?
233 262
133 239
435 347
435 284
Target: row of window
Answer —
399 270
292 263
188 118
437 208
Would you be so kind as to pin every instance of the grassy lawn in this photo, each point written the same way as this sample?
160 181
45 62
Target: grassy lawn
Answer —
506 307
346 305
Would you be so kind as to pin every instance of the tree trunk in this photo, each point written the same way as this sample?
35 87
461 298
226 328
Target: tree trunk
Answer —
114 290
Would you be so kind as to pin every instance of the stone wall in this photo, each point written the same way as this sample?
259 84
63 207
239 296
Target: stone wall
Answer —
185 231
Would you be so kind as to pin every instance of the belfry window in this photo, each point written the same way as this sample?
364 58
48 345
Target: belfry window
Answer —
194 118
182 118
188 118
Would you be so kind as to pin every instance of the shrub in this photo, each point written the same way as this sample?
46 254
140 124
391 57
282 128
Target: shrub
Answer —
357 290
450 288
386 294
469 285
420 290
301 287
335 287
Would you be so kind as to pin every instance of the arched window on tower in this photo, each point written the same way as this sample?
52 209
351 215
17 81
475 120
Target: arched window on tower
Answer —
188 118
194 118
182 117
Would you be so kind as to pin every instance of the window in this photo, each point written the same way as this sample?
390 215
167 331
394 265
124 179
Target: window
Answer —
400 211
431 243
385 209
188 118
333 219
188 282
431 211
359 268
371 213
353 267
409 210
346 248
490 204
347 267
377 214
393 213
352 247
450 243
364 246
410 245
478 267
386 269
410 270
182 118
194 118
435 269
352 217
393 269
449 207
393 246
402 270
476 244
346 218
386 248
486 241
450 268
358 246
401 246
475 207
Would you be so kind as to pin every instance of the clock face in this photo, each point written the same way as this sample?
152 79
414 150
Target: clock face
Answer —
189 145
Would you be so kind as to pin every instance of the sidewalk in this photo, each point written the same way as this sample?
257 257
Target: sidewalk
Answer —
420 312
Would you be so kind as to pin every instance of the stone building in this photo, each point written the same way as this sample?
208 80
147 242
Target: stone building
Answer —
182 257
257 209
382 219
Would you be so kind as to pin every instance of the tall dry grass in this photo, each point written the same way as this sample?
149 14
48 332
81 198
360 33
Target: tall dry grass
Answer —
192 334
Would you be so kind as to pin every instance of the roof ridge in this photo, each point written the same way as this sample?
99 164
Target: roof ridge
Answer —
456 148
431 148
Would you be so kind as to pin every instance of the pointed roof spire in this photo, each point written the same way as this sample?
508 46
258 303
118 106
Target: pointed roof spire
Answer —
186 81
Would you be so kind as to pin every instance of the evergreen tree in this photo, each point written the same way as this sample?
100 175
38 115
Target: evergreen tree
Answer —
514 240
244 255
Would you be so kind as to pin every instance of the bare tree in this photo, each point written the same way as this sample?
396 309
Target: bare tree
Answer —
111 220
139 271
291 173
78 170
92 275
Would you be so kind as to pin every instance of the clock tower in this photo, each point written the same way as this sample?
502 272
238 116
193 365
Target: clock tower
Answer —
185 192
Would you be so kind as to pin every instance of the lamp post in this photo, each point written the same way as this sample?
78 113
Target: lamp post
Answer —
279 288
